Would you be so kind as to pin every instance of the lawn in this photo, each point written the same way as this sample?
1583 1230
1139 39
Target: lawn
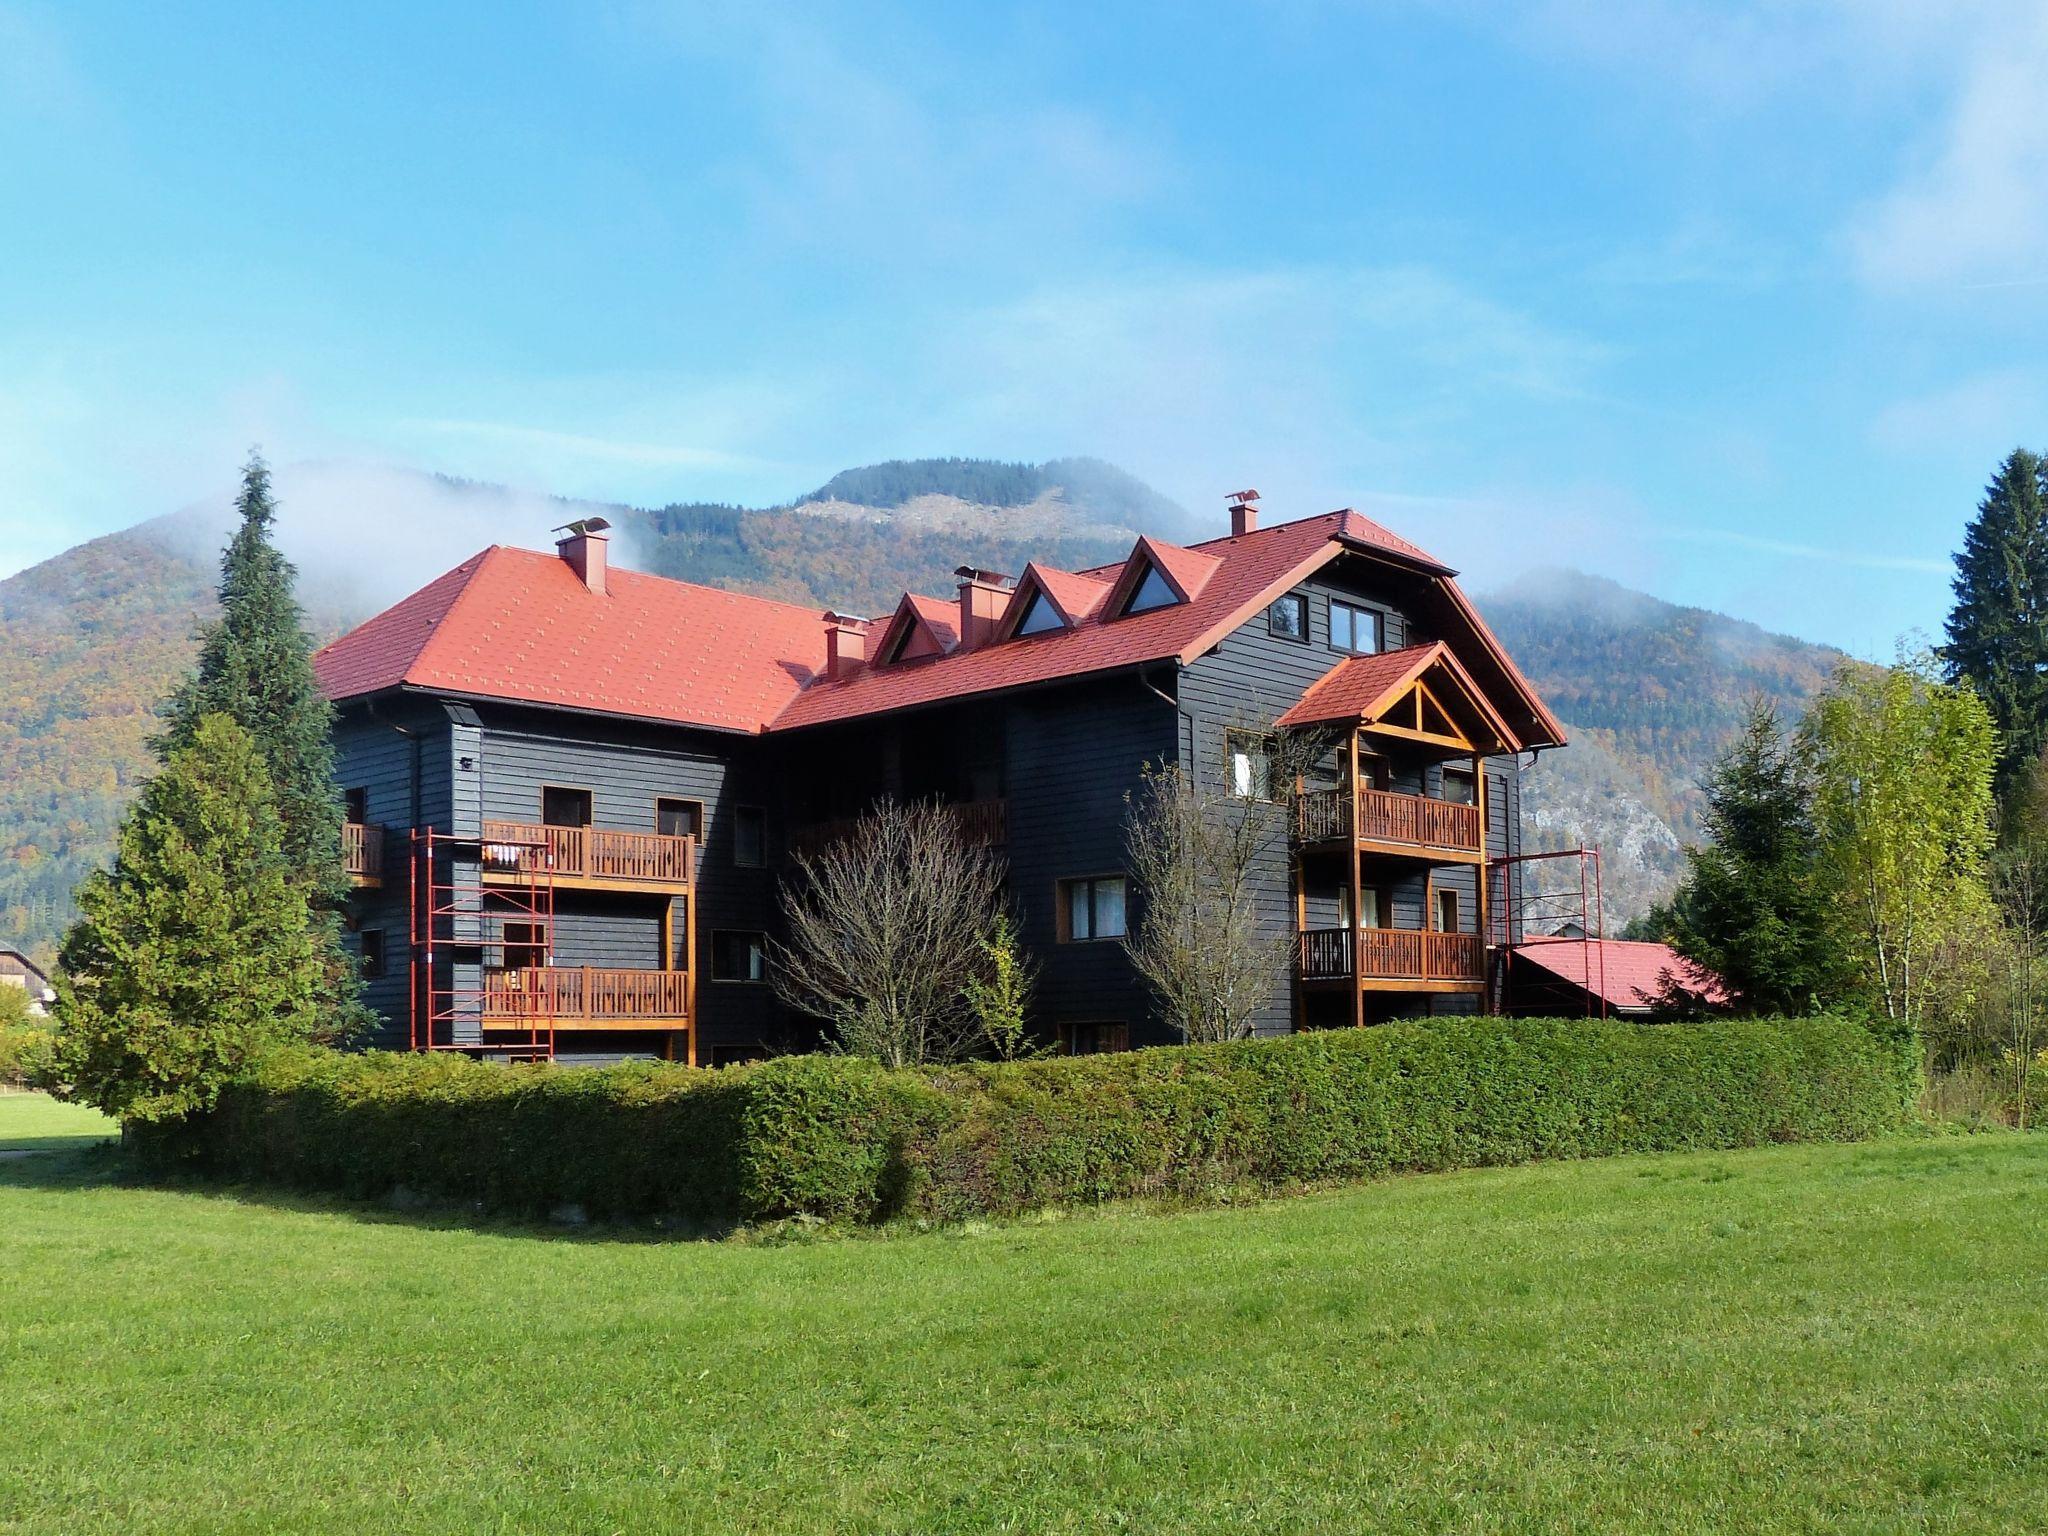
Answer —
1841 1338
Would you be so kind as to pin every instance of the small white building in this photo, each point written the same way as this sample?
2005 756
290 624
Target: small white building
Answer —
17 970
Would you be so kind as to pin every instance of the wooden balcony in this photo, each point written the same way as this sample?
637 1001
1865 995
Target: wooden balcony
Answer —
981 824
588 857
1393 959
1415 825
587 997
362 853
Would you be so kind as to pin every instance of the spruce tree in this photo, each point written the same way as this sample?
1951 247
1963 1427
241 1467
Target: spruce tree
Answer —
256 667
193 953
1998 628
1751 907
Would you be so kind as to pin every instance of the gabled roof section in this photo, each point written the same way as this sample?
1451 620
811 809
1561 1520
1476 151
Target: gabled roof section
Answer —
1365 689
516 625
1185 571
1074 597
920 627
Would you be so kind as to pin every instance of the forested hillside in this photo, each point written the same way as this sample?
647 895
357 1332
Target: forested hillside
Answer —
1651 692
90 641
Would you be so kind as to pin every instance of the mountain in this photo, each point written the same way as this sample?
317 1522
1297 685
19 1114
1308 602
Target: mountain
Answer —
1650 693
91 640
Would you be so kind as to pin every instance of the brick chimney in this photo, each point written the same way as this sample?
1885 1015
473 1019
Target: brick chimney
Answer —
1244 513
583 546
983 597
846 645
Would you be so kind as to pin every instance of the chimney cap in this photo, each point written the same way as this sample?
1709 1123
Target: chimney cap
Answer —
584 525
1241 497
846 620
975 573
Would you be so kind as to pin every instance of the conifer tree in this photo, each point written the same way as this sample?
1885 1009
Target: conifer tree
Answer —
1998 628
1752 908
193 953
256 667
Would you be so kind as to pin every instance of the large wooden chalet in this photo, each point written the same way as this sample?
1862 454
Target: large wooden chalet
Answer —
571 787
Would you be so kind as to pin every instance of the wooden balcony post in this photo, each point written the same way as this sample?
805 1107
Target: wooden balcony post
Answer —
1356 938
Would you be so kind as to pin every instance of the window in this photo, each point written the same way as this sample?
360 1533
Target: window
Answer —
565 807
370 948
1446 911
749 836
1288 618
525 946
1248 757
1374 772
1092 909
739 956
1153 592
1039 616
355 805
679 818
1376 903
1458 787
1094 1039
1353 628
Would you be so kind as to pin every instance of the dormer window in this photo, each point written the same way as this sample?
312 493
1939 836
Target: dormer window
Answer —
1153 592
1039 617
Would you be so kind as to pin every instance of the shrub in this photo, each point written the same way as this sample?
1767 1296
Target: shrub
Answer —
25 1053
846 1139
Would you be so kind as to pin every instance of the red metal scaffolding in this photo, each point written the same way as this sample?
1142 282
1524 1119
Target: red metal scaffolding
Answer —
1532 900
453 911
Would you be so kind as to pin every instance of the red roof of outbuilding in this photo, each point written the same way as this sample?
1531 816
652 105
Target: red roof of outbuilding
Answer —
1628 973
513 624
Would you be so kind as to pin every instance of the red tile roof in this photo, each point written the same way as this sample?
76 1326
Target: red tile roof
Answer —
1629 974
518 625
1364 687
513 624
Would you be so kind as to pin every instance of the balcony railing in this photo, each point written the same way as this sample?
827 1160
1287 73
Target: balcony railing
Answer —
1411 821
576 994
980 823
1390 954
362 852
588 853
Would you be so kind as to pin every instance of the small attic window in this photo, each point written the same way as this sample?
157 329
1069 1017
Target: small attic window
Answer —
1153 592
1040 617
896 648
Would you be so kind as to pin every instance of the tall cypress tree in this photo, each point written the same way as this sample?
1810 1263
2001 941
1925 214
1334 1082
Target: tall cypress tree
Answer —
1998 628
256 667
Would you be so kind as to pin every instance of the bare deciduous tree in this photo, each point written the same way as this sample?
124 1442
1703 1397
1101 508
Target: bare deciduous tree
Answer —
885 930
1196 843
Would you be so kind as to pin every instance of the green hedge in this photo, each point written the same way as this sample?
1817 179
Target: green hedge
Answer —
846 1140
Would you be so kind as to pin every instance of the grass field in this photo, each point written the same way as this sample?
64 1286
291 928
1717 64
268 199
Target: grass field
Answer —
1797 1339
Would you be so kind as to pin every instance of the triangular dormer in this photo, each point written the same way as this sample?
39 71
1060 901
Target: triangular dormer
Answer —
1048 600
920 627
1421 693
1158 576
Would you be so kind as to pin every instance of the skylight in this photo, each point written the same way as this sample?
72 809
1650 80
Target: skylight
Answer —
1153 592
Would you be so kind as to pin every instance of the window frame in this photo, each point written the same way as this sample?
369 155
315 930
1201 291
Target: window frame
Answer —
1356 610
662 802
1299 602
740 813
1027 617
1266 792
355 805
1063 912
1135 604
760 948
370 970
1445 900
589 804
535 941
1464 776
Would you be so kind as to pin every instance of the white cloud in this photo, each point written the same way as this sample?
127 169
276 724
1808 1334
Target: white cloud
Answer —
1981 416
1974 210
539 442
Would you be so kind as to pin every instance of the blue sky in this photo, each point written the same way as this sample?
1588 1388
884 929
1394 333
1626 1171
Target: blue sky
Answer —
1737 303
